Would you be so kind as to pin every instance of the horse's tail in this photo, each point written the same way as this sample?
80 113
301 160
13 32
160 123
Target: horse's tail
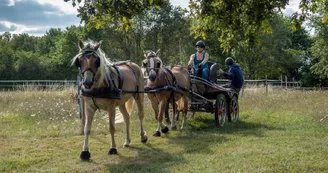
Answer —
129 105
180 104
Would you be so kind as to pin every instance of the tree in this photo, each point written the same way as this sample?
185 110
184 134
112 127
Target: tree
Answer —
114 12
277 54
230 17
7 60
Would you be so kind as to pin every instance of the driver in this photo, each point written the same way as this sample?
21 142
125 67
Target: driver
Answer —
234 74
199 60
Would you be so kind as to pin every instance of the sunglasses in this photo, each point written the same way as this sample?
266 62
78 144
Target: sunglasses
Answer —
198 47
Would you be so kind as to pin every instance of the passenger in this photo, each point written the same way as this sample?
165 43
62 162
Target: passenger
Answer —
199 60
234 74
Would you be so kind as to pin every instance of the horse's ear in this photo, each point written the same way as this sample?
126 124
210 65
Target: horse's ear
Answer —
157 51
98 45
144 63
145 54
81 45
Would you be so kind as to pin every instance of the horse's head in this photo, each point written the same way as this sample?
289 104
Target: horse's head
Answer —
152 63
89 60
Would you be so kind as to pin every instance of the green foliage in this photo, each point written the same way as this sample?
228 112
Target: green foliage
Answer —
233 18
105 13
7 60
279 53
319 49
28 66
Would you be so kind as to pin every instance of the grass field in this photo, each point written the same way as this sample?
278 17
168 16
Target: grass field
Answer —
286 131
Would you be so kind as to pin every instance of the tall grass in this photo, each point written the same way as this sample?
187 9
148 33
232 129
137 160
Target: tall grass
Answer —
285 131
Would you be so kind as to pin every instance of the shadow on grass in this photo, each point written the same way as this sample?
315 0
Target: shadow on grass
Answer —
149 158
206 123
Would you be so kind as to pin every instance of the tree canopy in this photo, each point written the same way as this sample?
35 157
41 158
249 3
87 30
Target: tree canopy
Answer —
235 20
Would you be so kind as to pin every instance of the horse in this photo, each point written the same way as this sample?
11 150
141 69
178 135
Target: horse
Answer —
99 89
166 86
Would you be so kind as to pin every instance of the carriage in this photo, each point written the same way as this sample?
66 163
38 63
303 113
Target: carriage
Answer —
211 97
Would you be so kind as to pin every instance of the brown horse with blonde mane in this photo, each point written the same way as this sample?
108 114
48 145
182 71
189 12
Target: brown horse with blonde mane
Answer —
166 86
106 86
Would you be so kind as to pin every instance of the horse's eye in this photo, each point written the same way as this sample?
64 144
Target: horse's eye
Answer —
159 65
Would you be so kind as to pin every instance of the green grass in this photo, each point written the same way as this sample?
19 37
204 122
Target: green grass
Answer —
285 131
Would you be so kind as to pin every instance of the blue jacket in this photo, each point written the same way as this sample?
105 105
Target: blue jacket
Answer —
235 75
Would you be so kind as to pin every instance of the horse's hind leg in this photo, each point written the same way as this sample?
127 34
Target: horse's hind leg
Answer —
89 113
127 124
173 120
140 105
185 110
111 115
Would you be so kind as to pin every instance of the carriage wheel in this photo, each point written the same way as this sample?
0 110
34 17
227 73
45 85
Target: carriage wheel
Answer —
234 108
190 115
220 111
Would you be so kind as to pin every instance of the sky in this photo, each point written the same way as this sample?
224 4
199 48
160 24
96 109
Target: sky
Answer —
35 17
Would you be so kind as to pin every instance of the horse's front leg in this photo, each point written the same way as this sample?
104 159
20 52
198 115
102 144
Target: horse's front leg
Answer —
154 103
89 114
111 115
127 125
140 105
161 125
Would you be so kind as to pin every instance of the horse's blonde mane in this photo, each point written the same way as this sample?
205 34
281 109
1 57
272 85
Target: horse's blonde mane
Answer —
103 69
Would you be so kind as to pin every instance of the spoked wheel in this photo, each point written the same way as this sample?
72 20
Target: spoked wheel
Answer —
190 115
234 109
220 112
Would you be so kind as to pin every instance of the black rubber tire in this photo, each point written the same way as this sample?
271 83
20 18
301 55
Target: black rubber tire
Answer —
234 109
220 111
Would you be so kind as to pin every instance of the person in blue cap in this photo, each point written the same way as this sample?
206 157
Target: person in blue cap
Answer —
199 60
234 74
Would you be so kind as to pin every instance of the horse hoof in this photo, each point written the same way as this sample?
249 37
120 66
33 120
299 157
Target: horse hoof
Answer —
157 134
173 128
144 139
85 156
126 145
165 130
112 151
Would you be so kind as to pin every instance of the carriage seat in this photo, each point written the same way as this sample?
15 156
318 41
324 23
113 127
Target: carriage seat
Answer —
212 75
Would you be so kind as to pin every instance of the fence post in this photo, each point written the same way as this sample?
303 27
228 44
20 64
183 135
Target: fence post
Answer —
281 81
266 85
286 82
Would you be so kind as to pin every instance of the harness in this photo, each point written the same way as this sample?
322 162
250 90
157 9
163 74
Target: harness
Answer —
107 92
173 88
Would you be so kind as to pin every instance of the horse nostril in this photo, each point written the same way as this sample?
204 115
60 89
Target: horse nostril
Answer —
152 77
88 84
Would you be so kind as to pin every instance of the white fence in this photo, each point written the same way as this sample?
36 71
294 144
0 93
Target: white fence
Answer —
13 84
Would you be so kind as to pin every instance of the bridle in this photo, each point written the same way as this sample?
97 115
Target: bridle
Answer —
88 54
155 67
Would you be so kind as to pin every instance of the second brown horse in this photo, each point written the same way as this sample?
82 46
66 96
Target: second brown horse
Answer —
166 86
